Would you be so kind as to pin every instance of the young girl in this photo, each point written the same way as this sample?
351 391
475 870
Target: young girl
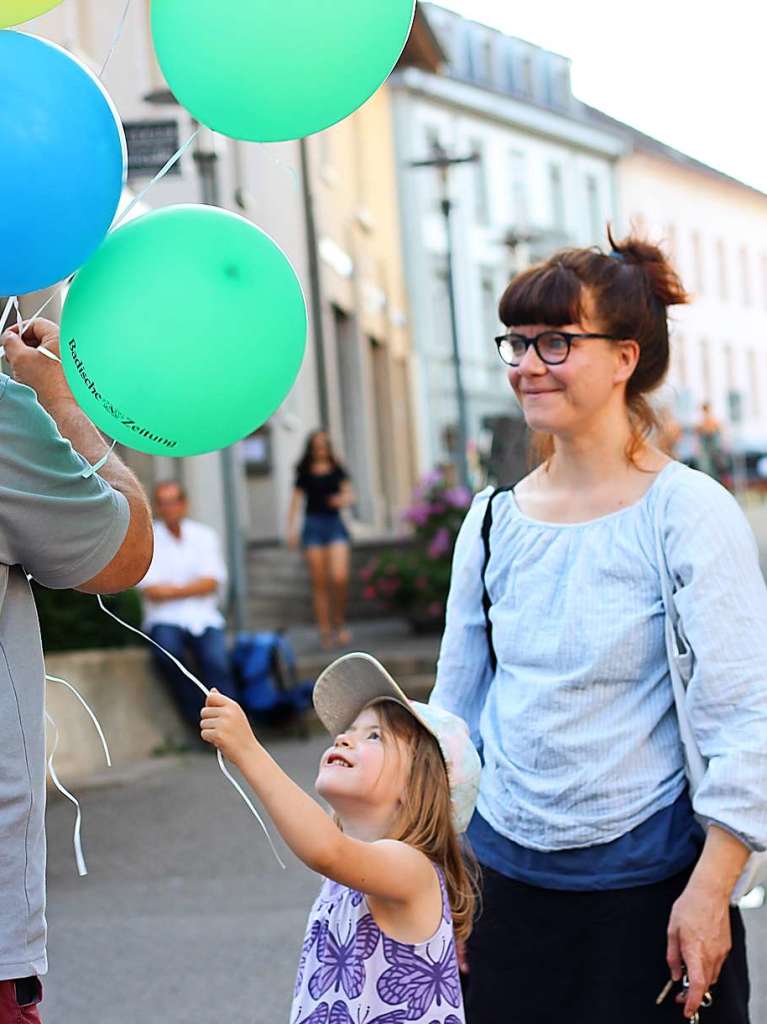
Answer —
402 779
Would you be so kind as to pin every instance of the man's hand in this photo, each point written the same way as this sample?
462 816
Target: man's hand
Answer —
223 723
31 367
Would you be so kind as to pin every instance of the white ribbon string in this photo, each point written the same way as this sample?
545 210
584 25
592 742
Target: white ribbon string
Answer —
185 671
82 869
88 473
99 730
116 38
160 174
6 314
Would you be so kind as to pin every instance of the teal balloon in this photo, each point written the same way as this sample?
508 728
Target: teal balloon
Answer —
272 70
184 332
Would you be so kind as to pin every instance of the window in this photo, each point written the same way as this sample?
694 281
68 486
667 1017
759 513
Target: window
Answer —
557 197
697 263
745 275
594 207
729 367
481 198
755 383
679 361
491 323
526 76
671 243
721 266
519 197
486 60
705 370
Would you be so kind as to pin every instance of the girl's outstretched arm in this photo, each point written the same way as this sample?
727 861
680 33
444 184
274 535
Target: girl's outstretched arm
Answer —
386 869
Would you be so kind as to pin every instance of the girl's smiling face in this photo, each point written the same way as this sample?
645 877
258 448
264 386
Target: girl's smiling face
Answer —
367 767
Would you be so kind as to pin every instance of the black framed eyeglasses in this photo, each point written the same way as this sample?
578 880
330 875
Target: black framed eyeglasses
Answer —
551 347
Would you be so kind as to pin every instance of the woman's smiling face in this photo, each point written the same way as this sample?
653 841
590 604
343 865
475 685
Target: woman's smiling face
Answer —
564 398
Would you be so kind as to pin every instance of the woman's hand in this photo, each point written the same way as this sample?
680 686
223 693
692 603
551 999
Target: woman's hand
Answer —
699 940
293 540
223 724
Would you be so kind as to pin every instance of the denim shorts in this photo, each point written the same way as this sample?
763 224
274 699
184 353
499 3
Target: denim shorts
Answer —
319 531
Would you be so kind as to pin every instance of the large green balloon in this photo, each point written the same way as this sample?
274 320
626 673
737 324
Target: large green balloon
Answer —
14 12
271 70
184 332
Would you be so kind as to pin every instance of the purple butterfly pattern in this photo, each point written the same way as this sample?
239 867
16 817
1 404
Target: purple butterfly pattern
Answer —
306 949
319 1015
419 982
339 1014
342 963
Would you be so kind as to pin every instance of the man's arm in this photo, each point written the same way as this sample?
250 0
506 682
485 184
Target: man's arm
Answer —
168 592
46 378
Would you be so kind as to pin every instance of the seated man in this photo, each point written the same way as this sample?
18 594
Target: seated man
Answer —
181 611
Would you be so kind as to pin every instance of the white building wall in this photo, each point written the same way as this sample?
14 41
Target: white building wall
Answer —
519 144
697 215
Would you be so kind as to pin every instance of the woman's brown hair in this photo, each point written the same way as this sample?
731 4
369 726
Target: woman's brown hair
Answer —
425 820
627 291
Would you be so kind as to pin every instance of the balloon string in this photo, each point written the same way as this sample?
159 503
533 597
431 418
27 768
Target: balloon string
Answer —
82 869
160 174
116 38
185 671
99 730
6 313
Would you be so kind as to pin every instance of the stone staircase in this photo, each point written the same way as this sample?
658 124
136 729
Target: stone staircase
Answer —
279 589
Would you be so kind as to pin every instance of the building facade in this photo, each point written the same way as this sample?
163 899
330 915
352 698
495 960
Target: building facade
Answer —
715 230
544 179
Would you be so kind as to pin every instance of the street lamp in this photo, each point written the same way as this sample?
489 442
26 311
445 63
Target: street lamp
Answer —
442 161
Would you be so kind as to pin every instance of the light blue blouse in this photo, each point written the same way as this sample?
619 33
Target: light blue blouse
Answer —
577 726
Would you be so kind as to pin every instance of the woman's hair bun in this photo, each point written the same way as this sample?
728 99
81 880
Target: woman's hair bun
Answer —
663 280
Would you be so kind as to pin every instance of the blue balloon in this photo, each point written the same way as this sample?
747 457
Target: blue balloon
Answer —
62 163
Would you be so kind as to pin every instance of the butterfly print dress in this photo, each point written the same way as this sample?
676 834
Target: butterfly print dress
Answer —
351 973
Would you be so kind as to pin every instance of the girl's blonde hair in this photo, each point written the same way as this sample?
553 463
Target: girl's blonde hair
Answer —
425 820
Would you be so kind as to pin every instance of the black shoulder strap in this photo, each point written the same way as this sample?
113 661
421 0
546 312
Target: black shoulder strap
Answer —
487 523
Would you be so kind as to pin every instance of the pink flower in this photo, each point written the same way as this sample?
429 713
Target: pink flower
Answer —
440 544
458 497
420 583
370 593
418 514
389 587
435 609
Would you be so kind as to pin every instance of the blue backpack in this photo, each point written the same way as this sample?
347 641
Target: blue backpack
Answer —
266 667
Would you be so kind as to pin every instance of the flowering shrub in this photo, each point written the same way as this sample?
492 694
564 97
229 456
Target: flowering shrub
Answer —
415 579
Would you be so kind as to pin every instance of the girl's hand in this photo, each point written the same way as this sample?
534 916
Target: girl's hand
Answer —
224 725
699 940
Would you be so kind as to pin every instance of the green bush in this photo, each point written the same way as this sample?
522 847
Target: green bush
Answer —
71 621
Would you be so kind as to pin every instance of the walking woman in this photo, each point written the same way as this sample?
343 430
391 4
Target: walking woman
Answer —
322 487
600 883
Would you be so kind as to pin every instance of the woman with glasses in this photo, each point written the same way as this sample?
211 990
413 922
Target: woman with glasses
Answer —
606 885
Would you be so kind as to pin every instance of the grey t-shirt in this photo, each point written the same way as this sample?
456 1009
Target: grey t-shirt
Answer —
62 529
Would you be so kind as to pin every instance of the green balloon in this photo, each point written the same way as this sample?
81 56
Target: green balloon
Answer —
272 70
184 332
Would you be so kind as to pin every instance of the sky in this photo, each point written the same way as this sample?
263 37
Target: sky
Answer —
690 74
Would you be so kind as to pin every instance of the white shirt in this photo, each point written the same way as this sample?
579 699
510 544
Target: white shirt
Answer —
179 561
